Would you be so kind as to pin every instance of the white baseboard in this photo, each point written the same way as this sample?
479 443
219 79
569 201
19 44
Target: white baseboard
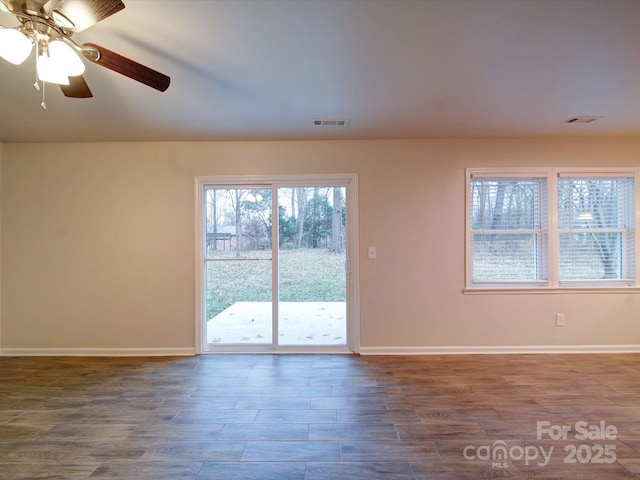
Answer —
519 349
98 352
450 350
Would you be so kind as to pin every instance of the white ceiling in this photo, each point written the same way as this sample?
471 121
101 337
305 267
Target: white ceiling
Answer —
265 69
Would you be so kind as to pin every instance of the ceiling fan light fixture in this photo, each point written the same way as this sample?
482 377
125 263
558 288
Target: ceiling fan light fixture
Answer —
65 59
15 46
49 71
48 25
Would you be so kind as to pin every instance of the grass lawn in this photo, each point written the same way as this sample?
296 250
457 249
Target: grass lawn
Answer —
306 275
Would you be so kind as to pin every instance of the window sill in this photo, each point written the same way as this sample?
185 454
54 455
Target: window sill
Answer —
549 290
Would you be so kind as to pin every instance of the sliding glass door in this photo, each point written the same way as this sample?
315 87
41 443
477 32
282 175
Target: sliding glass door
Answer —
311 266
275 266
238 266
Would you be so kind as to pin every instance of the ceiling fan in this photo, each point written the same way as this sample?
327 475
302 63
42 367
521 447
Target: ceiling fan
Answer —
47 26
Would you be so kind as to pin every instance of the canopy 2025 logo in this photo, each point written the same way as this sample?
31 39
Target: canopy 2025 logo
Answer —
499 453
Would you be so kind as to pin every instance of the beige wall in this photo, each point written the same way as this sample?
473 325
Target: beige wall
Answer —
1 150
97 247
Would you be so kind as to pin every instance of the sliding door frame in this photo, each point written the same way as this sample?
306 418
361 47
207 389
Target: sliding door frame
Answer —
350 182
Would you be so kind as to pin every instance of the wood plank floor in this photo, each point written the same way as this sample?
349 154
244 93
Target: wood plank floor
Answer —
320 417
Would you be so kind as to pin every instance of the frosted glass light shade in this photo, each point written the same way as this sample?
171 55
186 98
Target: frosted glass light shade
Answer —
48 71
65 59
15 46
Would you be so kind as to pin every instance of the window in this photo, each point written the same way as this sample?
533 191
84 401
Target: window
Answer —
550 228
508 231
596 231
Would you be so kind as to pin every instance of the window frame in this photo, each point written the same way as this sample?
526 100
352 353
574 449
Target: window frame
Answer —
553 284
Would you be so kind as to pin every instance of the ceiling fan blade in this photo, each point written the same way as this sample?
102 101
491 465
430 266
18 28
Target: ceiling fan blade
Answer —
125 66
25 6
77 88
83 13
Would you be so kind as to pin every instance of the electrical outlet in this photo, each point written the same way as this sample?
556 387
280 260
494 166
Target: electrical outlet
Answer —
559 319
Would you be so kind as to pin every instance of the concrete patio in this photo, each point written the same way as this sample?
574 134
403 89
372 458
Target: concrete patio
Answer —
301 323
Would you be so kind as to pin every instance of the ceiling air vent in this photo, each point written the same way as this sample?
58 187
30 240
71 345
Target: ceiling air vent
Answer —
585 119
329 122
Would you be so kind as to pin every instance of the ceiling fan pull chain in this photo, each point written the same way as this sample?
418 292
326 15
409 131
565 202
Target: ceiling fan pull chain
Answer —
44 89
36 85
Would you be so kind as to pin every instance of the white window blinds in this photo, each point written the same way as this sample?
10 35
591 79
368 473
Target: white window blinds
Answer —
596 230
509 231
